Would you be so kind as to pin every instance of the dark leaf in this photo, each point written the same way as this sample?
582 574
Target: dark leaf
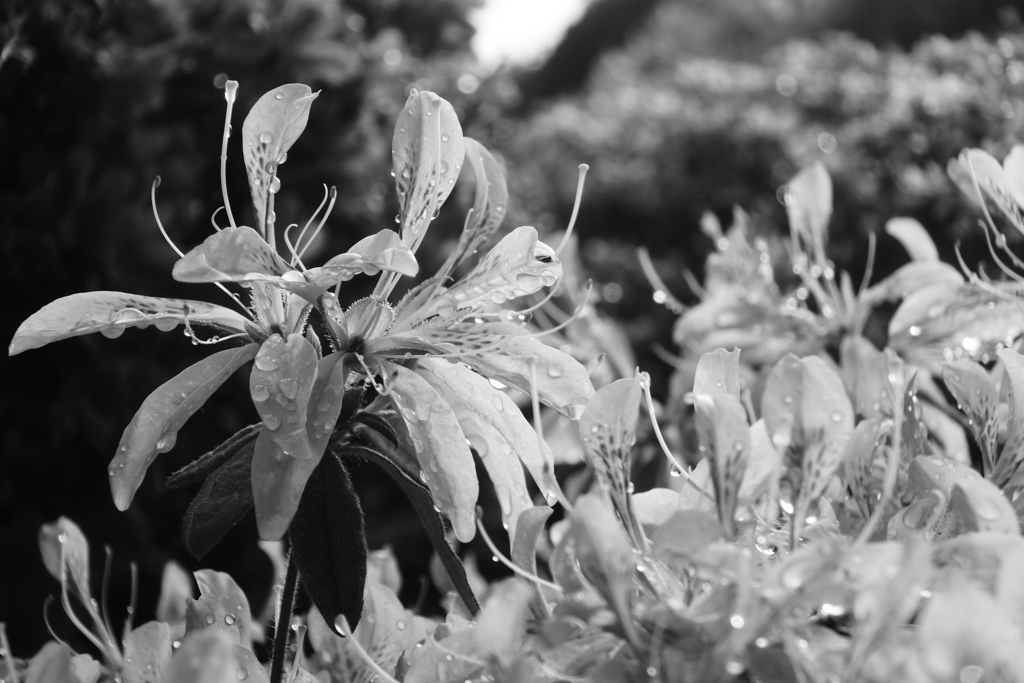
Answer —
198 470
420 498
329 543
225 498
379 425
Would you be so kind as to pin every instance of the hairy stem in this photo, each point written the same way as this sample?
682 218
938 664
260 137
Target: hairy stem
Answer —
284 618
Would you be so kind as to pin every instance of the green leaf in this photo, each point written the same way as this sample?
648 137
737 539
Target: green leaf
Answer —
519 265
608 432
221 608
1012 455
147 650
489 201
378 424
445 460
281 383
201 468
718 372
981 506
423 503
62 540
154 429
978 396
109 313
231 255
914 238
329 543
427 152
224 499
52 664
725 437
272 126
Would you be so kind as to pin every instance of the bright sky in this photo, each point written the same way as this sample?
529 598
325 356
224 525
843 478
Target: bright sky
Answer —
521 31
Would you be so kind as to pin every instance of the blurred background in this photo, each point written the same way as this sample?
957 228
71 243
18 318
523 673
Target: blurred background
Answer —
678 106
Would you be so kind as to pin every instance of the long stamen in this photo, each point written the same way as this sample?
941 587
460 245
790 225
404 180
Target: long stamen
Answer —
334 196
869 267
130 619
449 265
213 218
49 627
295 260
575 314
300 638
313 217
547 298
230 88
105 611
342 623
512 565
382 387
646 386
66 601
159 223
575 208
662 295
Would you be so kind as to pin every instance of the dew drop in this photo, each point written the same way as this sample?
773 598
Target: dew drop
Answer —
230 619
400 624
266 137
271 422
554 371
837 416
260 393
266 363
210 618
445 137
279 96
242 674
289 387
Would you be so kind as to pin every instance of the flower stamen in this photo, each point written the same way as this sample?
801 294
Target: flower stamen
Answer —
575 208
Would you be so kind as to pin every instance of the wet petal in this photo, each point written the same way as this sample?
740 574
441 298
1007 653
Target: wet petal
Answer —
383 251
1012 454
718 372
154 429
914 238
147 650
981 506
489 200
280 384
109 313
231 255
446 462
221 608
978 397
63 539
724 434
427 151
272 126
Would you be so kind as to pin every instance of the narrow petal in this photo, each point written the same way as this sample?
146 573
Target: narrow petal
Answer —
154 429
446 462
109 313
489 200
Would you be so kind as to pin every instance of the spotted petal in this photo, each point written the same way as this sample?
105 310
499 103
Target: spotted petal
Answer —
280 384
977 395
427 151
446 462
725 437
231 255
109 313
1012 454
154 429
489 200
273 125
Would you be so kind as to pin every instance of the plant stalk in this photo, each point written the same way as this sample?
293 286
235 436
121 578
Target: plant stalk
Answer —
284 618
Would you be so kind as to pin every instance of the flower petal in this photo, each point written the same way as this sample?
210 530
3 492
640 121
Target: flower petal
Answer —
231 255
427 151
221 599
155 426
489 200
446 462
370 255
272 126
280 384
111 312
914 238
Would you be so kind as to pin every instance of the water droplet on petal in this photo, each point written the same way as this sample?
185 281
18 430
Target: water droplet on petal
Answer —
260 393
210 618
266 137
230 619
289 387
266 363
271 422
279 96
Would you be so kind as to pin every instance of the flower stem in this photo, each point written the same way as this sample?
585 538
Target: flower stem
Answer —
284 618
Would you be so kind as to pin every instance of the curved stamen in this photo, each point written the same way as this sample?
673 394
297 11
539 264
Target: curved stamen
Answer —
315 214
333 194
295 260
350 638
230 88
647 266
572 317
49 627
575 208
382 387
512 565
213 218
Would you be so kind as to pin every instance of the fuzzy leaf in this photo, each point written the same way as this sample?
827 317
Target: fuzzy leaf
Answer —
498 432
221 608
445 459
222 502
809 205
718 372
489 200
519 265
608 432
419 496
329 543
914 238
154 429
147 650
109 313
231 255
280 384
1012 454
981 506
272 126
725 437
369 256
427 152
202 467
63 539
977 395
